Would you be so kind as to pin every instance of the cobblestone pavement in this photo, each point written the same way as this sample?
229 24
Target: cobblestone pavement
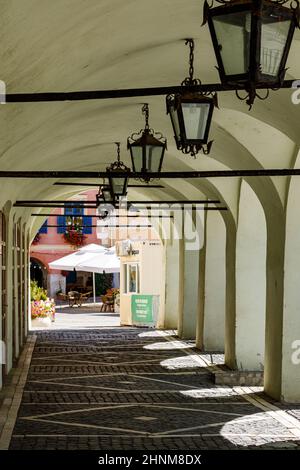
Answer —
131 388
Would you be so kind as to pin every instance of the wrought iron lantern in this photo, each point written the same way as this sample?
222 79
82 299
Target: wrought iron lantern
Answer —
99 198
104 201
252 40
191 113
107 196
104 195
118 184
147 148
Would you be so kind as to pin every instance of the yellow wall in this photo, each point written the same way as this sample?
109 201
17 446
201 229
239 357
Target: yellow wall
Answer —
151 261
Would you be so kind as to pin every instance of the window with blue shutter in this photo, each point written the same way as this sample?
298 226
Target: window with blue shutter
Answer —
61 222
44 227
76 211
87 222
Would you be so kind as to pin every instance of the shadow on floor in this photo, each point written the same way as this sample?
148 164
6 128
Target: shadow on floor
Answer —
113 388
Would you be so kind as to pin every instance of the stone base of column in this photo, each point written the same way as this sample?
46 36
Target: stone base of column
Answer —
239 378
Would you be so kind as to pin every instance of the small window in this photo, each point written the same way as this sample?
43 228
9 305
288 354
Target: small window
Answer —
131 278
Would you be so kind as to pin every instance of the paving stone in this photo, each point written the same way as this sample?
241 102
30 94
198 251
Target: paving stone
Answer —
118 389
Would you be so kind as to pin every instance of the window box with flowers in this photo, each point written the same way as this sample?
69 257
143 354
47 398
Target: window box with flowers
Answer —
73 233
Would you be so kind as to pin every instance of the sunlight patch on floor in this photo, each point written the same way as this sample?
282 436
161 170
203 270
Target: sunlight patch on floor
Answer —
156 333
183 362
169 345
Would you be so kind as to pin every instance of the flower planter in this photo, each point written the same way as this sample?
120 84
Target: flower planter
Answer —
42 313
41 322
75 237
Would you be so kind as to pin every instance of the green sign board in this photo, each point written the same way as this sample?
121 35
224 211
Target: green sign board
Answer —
142 308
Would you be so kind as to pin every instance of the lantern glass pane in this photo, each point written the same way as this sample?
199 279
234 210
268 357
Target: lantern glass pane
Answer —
107 195
195 116
175 122
118 185
137 156
233 36
153 157
274 34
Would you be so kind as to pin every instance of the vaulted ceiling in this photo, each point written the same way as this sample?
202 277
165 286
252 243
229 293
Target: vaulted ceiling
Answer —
99 44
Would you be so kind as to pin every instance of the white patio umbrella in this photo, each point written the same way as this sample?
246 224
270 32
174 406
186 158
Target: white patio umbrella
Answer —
70 262
106 262
74 260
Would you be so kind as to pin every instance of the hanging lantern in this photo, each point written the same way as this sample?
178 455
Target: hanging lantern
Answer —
118 184
104 201
147 149
99 198
191 113
252 40
104 195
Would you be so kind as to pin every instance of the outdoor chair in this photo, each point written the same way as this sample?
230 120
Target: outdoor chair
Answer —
84 297
107 303
74 298
62 297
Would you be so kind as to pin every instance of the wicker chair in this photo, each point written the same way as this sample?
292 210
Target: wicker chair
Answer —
107 303
74 298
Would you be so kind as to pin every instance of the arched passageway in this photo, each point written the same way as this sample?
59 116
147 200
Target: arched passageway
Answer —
234 287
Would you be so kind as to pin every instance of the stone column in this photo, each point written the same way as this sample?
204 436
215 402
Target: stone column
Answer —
215 283
230 359
172 286
10 302
290 379
190 271
250 282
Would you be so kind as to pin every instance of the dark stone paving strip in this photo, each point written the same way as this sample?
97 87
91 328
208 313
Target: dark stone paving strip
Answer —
132 391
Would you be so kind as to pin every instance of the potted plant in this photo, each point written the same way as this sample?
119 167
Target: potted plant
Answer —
42 308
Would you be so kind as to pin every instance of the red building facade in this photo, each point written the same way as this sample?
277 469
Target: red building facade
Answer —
51 243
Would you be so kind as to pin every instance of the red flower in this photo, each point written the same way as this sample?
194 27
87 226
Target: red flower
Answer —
74 236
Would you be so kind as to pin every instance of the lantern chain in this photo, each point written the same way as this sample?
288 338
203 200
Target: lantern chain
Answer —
118 152
118 164
190 80
191 44
145 111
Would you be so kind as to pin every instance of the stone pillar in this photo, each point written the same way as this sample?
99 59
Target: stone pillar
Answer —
189 313
215 283
22 310
10 308
250 282
290 381
172 285
201 289
274 305
230 360
192 243
27 281
16 294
